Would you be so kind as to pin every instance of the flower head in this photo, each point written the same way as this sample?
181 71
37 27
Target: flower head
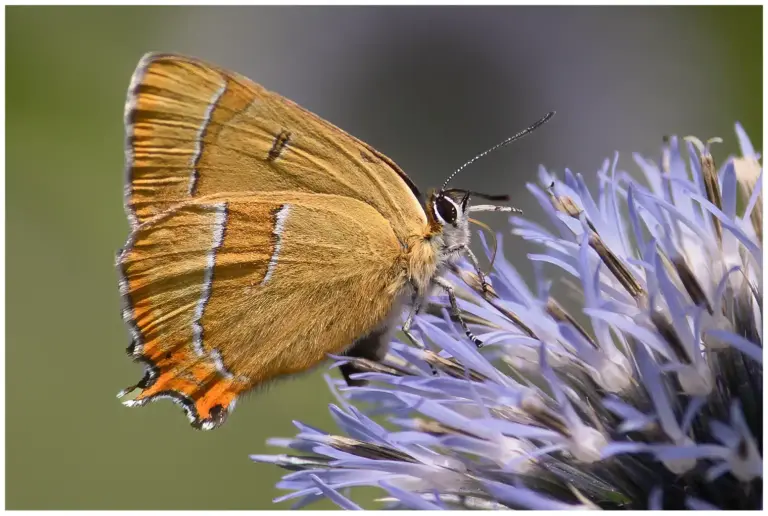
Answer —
641 388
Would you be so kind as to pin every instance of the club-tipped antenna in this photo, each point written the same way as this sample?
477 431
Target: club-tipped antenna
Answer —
509 140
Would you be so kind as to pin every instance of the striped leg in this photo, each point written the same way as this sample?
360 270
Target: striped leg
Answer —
409 322
445 284
465 250
417 304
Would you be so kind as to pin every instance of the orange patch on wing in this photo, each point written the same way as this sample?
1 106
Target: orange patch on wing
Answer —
195 384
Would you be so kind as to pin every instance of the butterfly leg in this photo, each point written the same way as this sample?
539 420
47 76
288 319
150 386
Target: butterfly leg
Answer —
470 255
417 305
465 250
409 322
446 285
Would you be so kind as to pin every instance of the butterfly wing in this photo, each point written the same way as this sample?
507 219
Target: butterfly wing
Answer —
226 292
193 129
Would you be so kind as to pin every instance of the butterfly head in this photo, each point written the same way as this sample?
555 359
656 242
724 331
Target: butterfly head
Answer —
449 209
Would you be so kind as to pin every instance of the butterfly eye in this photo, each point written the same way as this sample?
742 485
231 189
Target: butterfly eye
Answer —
446 209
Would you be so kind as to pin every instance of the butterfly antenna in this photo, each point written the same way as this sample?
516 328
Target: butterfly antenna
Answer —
509 140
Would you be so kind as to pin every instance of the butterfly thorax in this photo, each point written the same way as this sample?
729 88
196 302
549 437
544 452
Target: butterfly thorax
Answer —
422 260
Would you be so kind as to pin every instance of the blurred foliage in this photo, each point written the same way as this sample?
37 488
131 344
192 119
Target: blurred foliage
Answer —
69 442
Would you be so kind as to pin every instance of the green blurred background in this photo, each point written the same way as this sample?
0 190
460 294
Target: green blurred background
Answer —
429 86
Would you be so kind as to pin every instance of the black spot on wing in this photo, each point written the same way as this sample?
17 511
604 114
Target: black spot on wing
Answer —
279 145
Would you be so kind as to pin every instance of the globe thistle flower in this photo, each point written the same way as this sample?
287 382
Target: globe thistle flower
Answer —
643 392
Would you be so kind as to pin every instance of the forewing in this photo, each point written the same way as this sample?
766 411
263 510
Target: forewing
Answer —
193 130
226 292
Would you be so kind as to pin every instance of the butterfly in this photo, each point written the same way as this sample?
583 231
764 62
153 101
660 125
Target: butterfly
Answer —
263 238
